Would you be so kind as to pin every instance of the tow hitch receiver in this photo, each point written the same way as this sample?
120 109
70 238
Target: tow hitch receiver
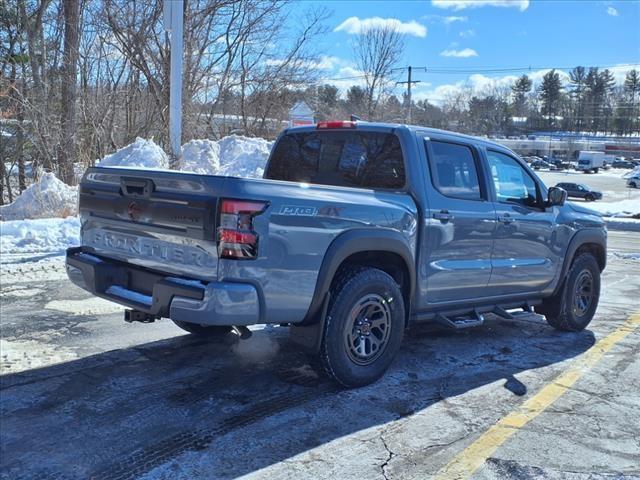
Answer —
131 316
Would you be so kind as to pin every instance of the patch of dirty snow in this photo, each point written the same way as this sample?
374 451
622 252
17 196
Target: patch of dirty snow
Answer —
46 270
18 291
21 355
39 236
48 197
89 306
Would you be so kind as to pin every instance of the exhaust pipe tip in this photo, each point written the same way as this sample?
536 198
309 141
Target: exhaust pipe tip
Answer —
243 332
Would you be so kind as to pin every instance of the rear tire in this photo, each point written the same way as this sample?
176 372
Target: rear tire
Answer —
572 308
210 331
364 327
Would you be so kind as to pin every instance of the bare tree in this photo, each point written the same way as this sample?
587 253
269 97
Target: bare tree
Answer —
377 51
67 146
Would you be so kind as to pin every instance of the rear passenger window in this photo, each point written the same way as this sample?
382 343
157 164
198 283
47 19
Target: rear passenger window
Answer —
350 159
453 170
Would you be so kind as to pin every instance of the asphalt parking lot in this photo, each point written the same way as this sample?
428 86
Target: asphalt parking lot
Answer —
84 395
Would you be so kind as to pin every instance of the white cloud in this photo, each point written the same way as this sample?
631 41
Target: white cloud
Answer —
482 85
468 33
464 53
612 11
355 26
346 76
456 5
453 19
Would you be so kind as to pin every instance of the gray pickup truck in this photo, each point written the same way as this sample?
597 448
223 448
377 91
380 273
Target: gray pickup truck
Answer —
356 230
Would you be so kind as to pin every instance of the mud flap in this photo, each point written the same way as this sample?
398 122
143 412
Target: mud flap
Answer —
309 336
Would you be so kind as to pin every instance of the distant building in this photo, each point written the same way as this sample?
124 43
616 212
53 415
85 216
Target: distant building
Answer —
301 114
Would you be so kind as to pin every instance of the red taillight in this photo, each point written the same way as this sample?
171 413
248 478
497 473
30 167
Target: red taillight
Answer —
236 238
335 124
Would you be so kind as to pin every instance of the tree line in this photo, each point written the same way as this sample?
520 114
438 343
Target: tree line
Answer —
81 78
589 101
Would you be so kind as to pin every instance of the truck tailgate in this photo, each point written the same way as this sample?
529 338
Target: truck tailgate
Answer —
159 220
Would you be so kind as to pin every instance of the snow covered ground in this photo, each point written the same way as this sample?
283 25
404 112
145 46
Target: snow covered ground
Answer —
621 208
38 236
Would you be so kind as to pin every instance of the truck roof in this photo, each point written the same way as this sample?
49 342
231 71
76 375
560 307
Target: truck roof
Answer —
383 126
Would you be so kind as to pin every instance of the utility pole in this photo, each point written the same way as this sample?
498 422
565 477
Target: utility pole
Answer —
409 82
173 12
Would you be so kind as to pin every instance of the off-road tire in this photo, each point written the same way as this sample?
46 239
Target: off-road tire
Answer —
336 356
560 310
211 331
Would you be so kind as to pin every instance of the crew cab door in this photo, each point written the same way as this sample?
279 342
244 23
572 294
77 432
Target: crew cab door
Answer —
459 223
523 258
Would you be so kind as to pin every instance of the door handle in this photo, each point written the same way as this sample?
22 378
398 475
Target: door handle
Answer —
443 215
506 218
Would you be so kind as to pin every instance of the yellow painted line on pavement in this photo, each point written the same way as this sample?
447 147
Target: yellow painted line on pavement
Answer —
464 464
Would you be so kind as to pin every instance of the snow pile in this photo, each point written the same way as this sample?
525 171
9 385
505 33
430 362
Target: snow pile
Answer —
200 156
39 236
139 154
243 156
49 197
234 155
621 208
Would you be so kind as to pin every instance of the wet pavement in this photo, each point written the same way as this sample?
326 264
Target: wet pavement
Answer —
84 395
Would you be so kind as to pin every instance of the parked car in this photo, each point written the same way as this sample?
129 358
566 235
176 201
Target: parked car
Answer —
622 164
580 190
538 164
384 225
559 164
634 181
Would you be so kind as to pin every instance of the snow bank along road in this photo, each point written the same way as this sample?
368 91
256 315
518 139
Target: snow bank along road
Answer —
84 395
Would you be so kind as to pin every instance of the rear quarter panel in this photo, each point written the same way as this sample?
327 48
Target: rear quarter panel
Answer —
295 232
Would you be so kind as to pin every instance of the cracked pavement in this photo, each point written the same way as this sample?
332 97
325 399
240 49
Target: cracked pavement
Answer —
84 395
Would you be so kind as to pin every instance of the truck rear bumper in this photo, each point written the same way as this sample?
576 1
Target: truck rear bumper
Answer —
161 295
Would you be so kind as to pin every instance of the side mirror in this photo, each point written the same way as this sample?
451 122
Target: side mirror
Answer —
556 196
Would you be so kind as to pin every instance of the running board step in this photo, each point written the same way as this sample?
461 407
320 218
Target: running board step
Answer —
527 310
474 320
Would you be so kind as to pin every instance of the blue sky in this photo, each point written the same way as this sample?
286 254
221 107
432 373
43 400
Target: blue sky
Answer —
477 35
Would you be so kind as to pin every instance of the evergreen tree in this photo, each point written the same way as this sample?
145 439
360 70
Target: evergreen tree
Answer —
630 99
577 79
550 95
520 90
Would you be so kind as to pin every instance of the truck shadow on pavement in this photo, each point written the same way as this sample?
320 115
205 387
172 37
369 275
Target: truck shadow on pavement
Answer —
189 407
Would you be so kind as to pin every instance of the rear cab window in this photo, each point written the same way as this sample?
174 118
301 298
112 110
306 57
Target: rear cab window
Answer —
352 158
454 170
